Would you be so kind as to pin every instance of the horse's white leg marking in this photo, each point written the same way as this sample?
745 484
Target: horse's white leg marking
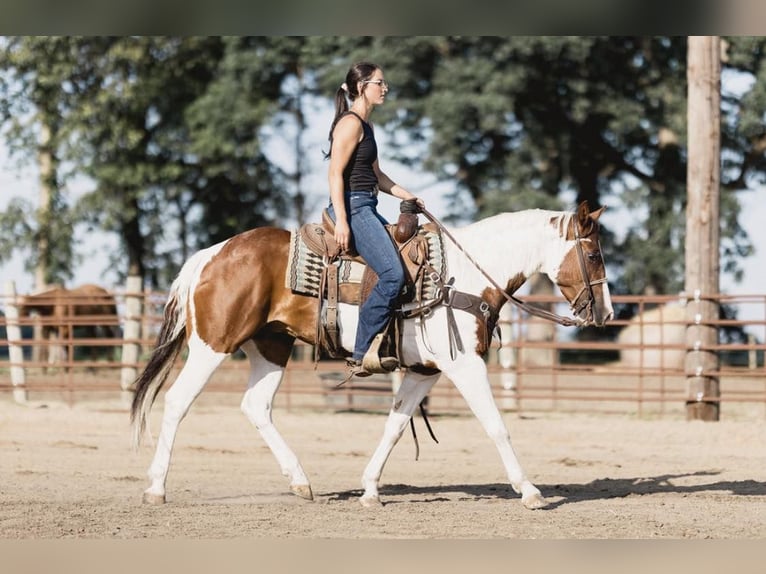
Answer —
413 389
469 375
265 378
200 365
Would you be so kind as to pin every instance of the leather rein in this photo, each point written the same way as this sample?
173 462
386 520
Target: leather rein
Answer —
531 309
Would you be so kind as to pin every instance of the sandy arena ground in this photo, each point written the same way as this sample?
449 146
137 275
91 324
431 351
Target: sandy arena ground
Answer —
68 471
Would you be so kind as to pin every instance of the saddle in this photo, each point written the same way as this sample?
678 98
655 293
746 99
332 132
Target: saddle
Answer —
415 245
318 268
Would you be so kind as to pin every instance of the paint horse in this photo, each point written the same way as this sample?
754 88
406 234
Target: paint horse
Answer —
90 309
232 296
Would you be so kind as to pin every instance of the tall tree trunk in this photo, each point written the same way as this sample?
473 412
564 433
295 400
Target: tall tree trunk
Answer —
46 169
134 241
299 198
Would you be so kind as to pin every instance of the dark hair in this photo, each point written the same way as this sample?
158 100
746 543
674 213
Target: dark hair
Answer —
359 72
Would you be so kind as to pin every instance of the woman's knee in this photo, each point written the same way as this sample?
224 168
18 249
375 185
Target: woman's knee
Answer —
392 280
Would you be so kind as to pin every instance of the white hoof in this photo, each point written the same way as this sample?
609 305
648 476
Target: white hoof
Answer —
370 502
153 499
534 501
302 490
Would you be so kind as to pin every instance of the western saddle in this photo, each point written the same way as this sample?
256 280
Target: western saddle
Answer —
424 288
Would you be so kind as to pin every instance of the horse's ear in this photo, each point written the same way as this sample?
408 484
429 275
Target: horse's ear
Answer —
583 213
596 214
586 219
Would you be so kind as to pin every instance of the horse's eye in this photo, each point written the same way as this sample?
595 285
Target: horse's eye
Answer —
594 256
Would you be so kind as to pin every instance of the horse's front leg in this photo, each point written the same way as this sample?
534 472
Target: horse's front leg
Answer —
412 391
265 378
469 375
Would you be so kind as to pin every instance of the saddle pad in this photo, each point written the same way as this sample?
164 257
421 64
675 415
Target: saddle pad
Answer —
436 260
304 269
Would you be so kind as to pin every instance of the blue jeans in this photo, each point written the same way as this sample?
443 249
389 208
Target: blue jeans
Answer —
374 244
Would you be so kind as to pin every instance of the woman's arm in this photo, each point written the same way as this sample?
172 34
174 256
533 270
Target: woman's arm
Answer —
347 133
387 185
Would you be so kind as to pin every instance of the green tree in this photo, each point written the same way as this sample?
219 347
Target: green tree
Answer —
35 75
551 121
175 134
179 164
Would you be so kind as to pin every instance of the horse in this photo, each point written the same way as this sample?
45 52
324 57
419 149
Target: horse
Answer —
60 306
233 296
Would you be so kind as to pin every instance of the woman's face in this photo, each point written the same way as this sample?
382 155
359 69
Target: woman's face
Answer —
374 89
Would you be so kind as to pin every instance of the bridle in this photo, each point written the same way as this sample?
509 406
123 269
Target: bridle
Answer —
587 287
531 309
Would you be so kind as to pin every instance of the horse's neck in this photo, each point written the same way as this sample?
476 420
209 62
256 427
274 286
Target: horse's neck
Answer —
508 244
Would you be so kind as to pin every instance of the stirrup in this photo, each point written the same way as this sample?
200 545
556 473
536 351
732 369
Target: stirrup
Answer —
356 368
372 362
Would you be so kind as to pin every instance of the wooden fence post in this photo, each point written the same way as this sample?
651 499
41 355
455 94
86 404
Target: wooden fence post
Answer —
703 227
131 346
506 356
15 350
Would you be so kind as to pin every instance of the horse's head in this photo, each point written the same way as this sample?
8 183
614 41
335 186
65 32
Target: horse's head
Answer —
582 274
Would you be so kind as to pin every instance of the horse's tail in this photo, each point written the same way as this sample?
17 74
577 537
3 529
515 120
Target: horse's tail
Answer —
169 344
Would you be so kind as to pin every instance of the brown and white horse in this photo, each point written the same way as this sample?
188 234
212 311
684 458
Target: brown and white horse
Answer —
232 296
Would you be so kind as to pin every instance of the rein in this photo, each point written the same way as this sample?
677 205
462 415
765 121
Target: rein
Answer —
531 309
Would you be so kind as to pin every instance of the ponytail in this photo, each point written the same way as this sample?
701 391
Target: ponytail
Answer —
341 107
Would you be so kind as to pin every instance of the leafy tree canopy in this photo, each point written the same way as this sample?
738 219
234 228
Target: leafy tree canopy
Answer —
171 132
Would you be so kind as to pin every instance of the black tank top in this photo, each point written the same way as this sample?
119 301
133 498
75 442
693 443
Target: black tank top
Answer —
359 175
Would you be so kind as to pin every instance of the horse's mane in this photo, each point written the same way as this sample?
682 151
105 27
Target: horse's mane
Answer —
523 219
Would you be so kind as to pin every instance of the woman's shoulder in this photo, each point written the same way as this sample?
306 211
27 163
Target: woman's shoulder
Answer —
349 123
365 126
353 117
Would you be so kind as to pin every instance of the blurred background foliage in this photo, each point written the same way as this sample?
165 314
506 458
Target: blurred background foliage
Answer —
173 133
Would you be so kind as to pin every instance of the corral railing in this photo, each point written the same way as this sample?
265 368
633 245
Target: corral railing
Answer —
632 366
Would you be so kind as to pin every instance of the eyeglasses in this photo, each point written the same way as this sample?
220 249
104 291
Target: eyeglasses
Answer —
381 83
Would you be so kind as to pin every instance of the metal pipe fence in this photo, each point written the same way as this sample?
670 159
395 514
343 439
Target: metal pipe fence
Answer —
634 366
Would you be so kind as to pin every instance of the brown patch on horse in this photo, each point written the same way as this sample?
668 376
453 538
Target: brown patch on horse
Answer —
241 293
496 299
426 369
275 347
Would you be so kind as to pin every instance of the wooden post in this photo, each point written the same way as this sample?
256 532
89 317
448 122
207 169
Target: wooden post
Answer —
506 356
702 227
132 334
15 350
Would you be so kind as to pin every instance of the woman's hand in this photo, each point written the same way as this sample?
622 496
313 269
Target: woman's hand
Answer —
342 234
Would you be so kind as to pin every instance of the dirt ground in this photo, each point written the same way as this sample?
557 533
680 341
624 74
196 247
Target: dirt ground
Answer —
68 471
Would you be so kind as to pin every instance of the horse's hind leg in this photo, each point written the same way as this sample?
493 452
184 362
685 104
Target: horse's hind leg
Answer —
200 365
412 391
267 365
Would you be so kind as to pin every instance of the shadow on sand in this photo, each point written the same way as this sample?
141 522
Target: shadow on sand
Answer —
561 494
